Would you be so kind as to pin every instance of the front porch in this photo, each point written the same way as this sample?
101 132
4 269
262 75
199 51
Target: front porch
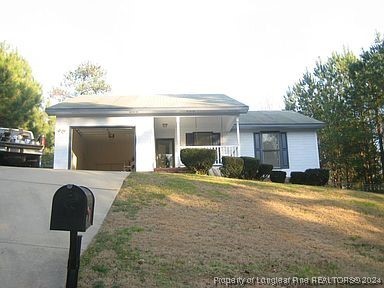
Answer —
219 133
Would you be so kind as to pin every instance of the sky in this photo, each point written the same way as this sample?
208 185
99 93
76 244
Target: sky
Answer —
248 49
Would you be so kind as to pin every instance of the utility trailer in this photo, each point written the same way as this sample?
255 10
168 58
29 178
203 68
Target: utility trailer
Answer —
18 147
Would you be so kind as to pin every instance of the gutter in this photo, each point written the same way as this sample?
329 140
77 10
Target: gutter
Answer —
284 126
81 112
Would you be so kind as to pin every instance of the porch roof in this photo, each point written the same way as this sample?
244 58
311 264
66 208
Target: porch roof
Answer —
278 119
156 105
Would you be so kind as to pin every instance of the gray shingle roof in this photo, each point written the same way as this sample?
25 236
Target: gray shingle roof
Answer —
169 104
278 119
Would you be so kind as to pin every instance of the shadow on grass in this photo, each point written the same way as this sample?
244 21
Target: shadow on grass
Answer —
244 237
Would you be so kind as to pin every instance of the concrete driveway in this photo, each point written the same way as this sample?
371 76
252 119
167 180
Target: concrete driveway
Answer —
30 254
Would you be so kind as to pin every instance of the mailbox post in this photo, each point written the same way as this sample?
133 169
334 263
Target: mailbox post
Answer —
72 210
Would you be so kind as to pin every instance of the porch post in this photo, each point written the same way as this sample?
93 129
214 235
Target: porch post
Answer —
238 136
177 150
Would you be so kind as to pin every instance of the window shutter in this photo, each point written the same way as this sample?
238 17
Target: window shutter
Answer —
257 144
284 150
189 139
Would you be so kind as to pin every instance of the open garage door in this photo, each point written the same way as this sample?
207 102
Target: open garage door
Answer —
103 148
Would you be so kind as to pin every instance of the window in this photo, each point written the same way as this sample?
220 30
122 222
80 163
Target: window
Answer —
272 148
202 139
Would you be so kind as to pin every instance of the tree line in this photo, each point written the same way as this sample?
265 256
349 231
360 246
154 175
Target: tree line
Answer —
347 93
21 96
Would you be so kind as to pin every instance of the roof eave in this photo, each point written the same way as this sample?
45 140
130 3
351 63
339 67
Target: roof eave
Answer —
87 112
284 126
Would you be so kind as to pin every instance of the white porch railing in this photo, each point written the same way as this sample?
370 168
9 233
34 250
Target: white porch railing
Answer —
229 150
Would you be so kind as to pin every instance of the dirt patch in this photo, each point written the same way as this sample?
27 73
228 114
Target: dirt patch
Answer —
232 228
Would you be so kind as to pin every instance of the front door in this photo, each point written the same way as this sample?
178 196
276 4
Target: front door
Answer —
165 153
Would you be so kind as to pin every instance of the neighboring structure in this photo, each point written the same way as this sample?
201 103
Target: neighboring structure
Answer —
145 132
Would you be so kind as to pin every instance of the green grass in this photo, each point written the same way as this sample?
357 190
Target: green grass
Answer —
98 284
101 268
119 242
146 188
369 207
308 270
373 251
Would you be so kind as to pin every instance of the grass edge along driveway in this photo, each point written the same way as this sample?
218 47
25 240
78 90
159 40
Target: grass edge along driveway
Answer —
183 230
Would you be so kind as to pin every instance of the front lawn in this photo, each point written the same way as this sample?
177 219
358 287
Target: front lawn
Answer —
182 230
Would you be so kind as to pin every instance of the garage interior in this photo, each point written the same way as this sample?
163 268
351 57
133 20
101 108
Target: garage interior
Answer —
103 148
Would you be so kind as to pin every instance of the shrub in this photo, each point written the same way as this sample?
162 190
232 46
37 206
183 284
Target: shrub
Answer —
251 165
314 177
317 177
232 167
198 160
278 176
264 171
298 178
47 159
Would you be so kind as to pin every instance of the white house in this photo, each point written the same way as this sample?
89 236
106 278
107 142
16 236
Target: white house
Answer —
148 132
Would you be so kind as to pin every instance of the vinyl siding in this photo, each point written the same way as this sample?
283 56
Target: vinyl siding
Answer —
302 148
246 142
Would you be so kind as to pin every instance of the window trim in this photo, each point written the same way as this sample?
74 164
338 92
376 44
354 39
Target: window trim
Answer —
283 148
278 150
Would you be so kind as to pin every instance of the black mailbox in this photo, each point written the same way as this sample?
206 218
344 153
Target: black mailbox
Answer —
72 208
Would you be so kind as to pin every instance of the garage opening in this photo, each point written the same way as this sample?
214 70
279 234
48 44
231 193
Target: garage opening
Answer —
103 148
